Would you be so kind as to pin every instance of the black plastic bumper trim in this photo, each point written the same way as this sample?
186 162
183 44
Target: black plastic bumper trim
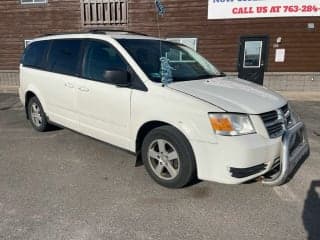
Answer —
246 172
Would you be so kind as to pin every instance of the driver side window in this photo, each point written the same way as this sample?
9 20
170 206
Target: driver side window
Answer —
101 57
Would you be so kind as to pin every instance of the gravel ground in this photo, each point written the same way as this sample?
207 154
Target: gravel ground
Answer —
62 185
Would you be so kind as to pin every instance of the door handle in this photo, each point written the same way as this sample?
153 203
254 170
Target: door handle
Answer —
69 85
84 89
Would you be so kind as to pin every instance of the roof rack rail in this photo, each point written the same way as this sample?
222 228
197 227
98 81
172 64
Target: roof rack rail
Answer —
61 33
105 31
96 31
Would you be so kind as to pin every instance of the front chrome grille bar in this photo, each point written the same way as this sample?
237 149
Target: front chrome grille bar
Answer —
277 121
288 159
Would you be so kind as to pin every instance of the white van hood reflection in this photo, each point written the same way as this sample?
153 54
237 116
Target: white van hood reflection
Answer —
232 94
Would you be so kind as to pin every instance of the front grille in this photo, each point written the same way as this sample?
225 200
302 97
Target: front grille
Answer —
276 121
276 163
286 111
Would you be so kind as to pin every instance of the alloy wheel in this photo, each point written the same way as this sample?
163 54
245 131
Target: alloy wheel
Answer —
163 159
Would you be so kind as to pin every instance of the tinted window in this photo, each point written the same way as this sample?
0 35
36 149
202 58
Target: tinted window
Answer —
35 54
99 58
64 56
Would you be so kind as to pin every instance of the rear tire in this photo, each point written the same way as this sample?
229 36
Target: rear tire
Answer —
37 116
168 157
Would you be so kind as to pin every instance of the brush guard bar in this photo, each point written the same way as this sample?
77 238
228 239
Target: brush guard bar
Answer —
289 160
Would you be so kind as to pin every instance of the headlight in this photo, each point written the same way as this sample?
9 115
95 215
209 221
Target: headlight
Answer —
231 124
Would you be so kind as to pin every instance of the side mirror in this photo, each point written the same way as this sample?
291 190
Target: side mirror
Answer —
119 78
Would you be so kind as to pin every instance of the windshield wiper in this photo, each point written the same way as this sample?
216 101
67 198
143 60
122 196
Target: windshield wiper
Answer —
221 74
205 76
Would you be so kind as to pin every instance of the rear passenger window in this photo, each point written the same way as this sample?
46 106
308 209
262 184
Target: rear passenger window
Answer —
35 55
64 56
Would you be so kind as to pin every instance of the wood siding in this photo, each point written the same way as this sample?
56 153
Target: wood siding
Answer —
218 40
19 22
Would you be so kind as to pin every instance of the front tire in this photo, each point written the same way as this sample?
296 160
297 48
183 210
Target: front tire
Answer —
36 115
168 157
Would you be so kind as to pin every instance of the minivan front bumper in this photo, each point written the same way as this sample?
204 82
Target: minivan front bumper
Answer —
238 159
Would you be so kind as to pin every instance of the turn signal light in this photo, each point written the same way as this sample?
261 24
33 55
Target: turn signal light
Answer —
221 124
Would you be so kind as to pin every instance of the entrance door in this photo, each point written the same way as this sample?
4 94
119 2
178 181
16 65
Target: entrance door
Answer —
252 58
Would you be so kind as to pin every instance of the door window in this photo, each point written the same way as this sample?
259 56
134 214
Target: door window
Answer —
252 54
64 56
99 58
253 58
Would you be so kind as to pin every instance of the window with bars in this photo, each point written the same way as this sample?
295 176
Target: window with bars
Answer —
33 1
104 12
179 56
190 42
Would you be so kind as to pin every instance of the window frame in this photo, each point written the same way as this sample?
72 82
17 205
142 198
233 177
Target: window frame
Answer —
245 55
33 2
27 42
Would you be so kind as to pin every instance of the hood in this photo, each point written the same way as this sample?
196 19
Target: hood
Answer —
232 94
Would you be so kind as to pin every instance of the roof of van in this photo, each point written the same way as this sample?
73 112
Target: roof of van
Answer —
96 34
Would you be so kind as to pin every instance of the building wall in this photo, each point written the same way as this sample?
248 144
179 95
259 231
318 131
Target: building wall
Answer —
218 40
26 21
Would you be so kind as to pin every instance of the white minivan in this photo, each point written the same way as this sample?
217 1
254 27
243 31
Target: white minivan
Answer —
165 103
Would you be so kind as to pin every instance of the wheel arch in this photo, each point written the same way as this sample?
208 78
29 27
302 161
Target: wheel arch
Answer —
33 92
29 94
145 129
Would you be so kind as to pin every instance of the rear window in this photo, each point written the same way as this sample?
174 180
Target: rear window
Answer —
64 56
35 55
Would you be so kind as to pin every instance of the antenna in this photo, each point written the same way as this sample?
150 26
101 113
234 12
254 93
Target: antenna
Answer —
165 68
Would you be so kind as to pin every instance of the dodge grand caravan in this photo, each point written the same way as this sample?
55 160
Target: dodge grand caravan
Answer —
164 102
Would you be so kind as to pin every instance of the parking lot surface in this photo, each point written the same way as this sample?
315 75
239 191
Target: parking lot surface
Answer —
63 185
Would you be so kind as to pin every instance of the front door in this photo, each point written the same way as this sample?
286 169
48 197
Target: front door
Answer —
103 108
252 58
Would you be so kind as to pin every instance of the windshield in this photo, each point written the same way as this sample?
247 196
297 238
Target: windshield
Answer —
181 62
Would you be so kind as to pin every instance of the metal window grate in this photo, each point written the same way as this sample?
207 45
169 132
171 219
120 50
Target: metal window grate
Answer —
104 12
33 1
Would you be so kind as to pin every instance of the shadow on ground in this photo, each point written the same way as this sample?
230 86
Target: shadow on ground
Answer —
311 211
